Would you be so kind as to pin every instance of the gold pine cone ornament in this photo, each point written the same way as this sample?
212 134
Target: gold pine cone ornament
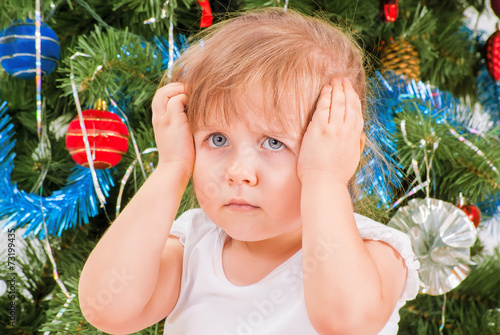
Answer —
402 58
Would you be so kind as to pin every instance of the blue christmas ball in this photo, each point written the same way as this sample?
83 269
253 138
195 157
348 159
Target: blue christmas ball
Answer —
18 49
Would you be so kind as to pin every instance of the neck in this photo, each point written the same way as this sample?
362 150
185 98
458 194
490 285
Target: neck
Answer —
282 245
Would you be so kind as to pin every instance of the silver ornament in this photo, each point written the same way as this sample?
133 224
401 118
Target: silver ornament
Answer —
441 235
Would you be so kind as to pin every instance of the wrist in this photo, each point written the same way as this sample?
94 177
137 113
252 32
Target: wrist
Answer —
322 177
322 192
174 170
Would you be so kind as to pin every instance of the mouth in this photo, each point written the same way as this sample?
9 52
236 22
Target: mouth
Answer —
240 205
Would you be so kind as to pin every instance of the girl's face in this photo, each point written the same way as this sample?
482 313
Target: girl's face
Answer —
245 178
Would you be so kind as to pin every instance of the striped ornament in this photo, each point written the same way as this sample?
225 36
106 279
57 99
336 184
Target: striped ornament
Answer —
18 52
108 138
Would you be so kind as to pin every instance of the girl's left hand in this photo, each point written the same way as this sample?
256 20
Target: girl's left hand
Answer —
333 140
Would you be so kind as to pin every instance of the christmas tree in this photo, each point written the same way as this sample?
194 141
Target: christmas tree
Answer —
433 78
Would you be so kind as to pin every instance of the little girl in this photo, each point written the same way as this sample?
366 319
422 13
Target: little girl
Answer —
265 114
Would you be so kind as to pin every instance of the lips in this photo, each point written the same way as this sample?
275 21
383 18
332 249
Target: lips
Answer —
239 204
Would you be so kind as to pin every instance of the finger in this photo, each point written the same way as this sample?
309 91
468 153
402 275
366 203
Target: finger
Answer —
337 111
354 114
322 112
176 106
164 94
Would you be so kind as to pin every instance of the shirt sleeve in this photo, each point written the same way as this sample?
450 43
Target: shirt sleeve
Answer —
372 230
191 226
181 225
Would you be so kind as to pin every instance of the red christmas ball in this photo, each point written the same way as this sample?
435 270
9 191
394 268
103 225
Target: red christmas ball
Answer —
492 55
107 135
495 6
389 10
473 213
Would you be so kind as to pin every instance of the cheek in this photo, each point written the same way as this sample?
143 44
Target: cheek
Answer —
206 180
285 183
292 191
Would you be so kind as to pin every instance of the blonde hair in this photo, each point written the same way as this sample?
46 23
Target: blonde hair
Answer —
288 55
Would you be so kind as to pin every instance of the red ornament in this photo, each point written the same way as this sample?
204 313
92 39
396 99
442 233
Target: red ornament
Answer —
473 213
492 55
495 6
389 10
206 14
107 134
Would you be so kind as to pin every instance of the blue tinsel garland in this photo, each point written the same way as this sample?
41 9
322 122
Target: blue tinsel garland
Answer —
488 94
387 96
392 91
180 44
66 208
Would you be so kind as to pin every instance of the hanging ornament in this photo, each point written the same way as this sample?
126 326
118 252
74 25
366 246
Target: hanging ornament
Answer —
206 14
107 135
492 54
17 49
495 6
473 213
389 10
66 208
402 58
441 236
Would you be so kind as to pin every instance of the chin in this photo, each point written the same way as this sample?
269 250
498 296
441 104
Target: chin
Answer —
243 232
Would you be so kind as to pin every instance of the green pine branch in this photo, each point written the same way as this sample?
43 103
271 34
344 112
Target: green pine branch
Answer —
155 15
33 284
454 61
446 7
467 166
112 63
11 10
471 308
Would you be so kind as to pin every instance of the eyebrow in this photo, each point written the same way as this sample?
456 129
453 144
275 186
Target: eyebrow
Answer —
255 129
279 133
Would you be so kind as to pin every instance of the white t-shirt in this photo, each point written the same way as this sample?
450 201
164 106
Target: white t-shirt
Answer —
209 304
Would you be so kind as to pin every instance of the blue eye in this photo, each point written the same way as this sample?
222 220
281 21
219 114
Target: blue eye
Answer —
273 144
217 140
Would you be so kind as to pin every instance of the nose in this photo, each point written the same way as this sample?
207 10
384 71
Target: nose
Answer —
241 170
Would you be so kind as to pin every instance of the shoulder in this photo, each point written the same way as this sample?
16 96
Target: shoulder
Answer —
375 231
372 230
192 224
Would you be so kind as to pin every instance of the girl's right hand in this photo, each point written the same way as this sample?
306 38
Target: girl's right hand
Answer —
171 128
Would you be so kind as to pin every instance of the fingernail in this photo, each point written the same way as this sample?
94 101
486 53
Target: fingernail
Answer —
346 80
